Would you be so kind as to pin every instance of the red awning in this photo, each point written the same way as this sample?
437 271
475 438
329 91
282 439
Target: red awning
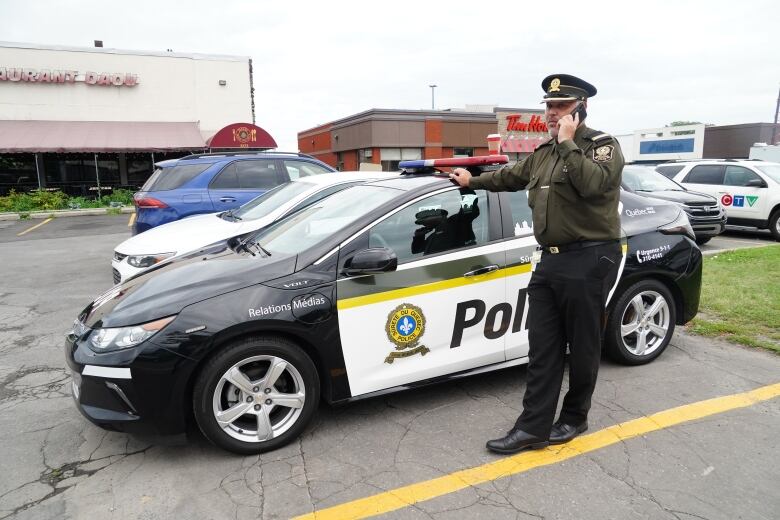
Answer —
241 135
522 145
98 136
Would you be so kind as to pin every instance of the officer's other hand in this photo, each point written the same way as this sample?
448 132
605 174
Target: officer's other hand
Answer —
461 177
567 125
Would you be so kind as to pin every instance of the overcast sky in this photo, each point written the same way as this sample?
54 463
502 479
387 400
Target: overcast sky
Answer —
653 62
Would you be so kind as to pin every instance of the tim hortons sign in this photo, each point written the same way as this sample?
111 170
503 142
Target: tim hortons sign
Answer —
110 79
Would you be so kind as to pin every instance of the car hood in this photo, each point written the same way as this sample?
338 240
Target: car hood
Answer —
187 235
168 287
684 197
643 214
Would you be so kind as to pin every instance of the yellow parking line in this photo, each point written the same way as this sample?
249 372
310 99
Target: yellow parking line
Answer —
405 496
36 226
131 221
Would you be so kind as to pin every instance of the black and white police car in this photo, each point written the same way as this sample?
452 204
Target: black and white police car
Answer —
384 286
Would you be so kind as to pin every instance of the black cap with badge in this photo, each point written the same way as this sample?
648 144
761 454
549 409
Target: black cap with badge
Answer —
564 87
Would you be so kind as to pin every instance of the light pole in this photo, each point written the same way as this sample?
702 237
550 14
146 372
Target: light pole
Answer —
432 91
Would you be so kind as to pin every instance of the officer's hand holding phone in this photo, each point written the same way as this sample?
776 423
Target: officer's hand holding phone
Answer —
567 125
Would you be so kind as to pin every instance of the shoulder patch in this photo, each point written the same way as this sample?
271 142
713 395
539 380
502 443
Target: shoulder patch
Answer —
603 153
599 137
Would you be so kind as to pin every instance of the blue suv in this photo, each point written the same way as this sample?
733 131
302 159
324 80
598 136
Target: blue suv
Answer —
208 183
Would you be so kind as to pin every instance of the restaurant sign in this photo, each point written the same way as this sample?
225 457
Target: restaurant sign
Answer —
24 75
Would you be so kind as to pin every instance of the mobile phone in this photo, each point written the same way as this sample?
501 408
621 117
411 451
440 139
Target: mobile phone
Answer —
580 109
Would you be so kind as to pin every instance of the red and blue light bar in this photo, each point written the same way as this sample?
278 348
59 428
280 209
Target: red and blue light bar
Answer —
451 162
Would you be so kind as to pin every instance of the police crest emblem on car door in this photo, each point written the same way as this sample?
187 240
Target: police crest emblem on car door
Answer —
405 326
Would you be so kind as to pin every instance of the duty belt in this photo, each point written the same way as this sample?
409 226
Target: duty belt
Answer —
576 245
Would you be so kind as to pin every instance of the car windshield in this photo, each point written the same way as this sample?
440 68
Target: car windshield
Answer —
772 170
647 179
164 179
314 224
271 200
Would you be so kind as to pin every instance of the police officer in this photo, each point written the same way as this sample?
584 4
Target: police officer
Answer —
573 183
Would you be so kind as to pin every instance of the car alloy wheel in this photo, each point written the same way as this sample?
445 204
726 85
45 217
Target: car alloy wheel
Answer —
645 323
256 394
259 398
641 323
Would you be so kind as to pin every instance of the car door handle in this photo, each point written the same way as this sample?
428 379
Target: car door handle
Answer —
482 270
227 199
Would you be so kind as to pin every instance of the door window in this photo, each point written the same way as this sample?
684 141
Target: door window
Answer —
298 169
706 174
227 179
257 175
738 176
522 221
437 224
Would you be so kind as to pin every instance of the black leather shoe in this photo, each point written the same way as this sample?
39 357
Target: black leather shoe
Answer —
562 432
515 441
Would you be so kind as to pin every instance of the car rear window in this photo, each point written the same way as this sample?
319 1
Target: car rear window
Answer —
164 179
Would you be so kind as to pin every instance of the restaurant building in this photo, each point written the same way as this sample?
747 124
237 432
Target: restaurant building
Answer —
86 120
383 137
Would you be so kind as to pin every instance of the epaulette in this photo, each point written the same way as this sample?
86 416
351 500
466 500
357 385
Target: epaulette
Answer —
599 137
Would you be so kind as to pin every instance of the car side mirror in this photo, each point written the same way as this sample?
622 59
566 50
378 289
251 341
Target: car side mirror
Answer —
371 261
756 183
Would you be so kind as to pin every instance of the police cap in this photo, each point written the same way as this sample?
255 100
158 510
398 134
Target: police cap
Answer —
564 87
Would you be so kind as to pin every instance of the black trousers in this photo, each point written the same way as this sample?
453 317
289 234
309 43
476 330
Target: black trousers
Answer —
567 296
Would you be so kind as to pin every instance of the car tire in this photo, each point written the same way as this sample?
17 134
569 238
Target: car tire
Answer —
702 240
238 408
641 323
774 224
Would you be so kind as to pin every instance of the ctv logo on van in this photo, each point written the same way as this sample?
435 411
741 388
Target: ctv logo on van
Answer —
738 201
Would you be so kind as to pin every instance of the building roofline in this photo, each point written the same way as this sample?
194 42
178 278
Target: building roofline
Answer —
106 50
383 114
515 109
719 127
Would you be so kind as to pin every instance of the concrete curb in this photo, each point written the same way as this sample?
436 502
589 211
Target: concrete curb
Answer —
66 213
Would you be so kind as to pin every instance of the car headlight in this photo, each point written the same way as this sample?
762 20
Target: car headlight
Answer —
107 340
679 226
147 260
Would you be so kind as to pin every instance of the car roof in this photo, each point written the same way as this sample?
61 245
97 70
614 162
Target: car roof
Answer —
749 162
412 181
216 157
336 177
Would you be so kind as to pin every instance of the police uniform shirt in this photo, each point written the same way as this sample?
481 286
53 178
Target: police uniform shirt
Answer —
573 187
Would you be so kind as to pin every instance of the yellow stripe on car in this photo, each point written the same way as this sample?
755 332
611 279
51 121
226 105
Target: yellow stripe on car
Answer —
358 301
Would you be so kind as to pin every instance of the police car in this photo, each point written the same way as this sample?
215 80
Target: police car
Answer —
384 286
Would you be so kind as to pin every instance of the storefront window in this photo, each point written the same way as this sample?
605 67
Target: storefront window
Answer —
139 168
463 152
392 156
77 174
17 172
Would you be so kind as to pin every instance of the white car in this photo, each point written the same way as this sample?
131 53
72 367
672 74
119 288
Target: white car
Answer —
138 253
748 190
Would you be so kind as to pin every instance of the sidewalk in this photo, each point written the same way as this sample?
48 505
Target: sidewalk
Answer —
66 213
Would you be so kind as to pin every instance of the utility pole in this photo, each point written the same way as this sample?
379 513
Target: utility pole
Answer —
433 107
776 138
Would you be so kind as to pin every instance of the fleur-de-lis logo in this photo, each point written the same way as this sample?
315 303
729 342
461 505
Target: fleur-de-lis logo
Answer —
406 326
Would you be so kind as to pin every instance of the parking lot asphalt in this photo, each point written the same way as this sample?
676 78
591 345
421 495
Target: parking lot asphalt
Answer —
722 465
